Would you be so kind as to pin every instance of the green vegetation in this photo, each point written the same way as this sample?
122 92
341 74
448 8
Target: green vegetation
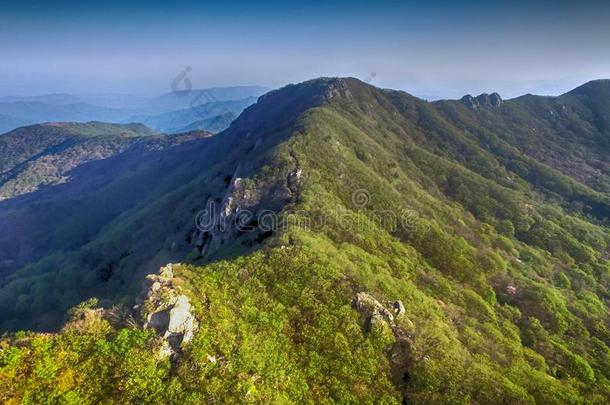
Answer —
39 155
499 257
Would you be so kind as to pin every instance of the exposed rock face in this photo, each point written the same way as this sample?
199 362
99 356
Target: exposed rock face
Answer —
239 204
338 88
492 100
181 321
247 208
402 328
375 311
495 100
372 309
166 311
469 101
399 309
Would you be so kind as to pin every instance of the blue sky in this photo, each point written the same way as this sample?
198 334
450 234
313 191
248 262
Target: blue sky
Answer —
440 49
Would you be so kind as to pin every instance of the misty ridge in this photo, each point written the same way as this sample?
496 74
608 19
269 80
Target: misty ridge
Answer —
207 109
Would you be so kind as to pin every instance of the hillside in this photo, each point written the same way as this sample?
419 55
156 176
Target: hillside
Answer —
38 155
61 183
215 124
365 246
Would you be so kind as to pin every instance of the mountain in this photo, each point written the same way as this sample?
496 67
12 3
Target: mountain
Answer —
113 100
591 98
216 123
183 99
8 123
16 111
339 243
43 154
67 181
22 112
210 116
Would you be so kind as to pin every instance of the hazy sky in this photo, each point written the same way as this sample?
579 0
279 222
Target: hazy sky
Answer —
445 49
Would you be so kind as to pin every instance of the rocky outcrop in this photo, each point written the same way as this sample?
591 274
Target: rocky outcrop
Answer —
372 309
246 209
492 100
402 328
162 308
398 308
339 88
227 220
469 101
394 317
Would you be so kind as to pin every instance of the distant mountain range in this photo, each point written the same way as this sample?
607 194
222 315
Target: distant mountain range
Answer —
53 99
16 111
212 116
216 123
178 100
36 112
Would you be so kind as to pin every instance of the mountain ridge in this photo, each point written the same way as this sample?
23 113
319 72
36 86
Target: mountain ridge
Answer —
17 111
174 121
489 226
35 151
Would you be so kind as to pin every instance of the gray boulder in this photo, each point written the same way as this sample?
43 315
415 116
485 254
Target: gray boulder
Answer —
166 311
373 310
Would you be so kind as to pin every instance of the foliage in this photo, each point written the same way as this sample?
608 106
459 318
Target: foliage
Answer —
501 267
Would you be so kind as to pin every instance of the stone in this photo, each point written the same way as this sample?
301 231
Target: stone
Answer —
165 350
381 319
181 321
167 272
493 100
161 308
158 321
368 305
470 101
399 308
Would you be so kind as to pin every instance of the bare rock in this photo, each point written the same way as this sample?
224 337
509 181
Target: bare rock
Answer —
470 101
158 321
378 316
399 309
372 309
181 320
374 312
167 272
493 100
166 311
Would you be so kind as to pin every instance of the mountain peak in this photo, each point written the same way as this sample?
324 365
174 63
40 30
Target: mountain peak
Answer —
324 87
600 86
493 100
276 108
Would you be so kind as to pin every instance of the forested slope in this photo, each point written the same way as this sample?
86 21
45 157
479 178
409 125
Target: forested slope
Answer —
449 252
